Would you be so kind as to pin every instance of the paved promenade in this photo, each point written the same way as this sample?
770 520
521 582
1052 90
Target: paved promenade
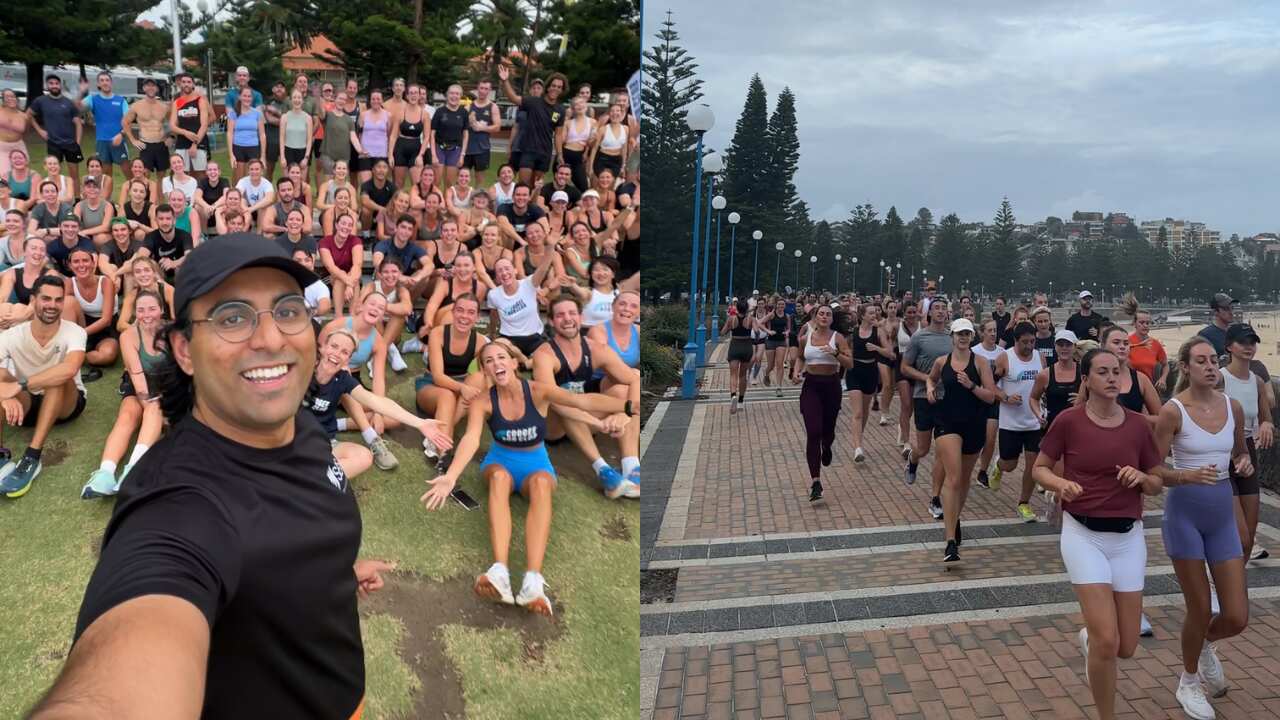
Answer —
760 605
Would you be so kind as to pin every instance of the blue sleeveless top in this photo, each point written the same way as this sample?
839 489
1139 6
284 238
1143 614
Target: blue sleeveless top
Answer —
630 356
527 431
363 351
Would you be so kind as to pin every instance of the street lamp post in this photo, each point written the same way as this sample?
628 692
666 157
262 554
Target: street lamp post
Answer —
755 264
700 119
838 259
777 266
798 254
854 279
718 202
882 276
712 164
734 219
897 275
813 275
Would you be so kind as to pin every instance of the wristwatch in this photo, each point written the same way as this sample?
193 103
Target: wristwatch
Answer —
626 408
22 383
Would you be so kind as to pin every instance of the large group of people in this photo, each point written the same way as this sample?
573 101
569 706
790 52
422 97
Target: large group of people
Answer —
1084 409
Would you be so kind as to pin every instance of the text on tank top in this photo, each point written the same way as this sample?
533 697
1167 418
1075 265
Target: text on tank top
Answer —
1019 380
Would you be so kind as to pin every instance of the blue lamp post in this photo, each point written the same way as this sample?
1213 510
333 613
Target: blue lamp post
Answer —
734 219
755 266
700 119
717 203
777 267
838 259
711 165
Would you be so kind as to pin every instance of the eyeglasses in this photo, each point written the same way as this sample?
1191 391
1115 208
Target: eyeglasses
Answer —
236 322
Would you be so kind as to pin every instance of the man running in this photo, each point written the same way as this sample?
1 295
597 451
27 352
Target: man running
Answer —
56 118
1086 323
925 347
189 119
150 113
226 574
108 114
1223 307
1016 371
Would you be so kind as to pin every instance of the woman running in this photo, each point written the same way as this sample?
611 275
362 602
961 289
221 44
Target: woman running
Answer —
826 353
442 391
863 375
759 332
907 327
988 349
515 411
1057 385
1205 431
1137 393
961 424
738 326
891 317
1253 394
1108 461
775 345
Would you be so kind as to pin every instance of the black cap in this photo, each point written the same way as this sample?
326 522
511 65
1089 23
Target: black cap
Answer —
216 260
1239 331
1221 300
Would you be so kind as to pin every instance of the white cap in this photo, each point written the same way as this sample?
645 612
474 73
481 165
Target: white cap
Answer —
560 196
242 69
1039 309
961 325
1065 335
1085 294
591 193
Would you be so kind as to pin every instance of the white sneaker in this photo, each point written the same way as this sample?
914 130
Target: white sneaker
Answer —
1193 701
733 406
1214 608
859 455
429 448
1084 648
531 596
412 345
1215 680
495 584
1144 628
393 355
884 421
1259 553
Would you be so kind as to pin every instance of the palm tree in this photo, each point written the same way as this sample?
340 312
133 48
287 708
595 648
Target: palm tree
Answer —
501 26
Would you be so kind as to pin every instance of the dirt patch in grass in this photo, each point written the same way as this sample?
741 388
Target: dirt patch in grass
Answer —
424 606
658 586
615 528
54 452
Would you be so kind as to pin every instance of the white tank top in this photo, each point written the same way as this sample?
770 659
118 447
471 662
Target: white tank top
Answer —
613 142
91 308
599 309
1019 381
904 338
990 355
814 355
1195 447
1244 392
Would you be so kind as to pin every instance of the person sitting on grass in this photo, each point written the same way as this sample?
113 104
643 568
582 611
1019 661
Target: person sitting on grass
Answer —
144 274
343 258
317 293
94 309
515 411
40 382
371 354
388 284
443 391
139 408
333 385
18 283
115 260
569 361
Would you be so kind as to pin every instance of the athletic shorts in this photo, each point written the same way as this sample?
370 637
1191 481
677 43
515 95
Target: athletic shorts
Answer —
611 162
406 151
739 350
1200 523
155 156
522 463
70 152
1115 559
197 163
479 161
29 420
112 154
771 344
273 143
245 153
448 157
973 435
1246 485
863 377
526 343
1016 442
923 411
367 163
994 412
315 147
107 333
534 161
294 156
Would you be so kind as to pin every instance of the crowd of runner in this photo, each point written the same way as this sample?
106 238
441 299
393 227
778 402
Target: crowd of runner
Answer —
517 281
1088 412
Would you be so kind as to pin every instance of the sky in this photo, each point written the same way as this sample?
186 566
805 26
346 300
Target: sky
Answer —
1157 108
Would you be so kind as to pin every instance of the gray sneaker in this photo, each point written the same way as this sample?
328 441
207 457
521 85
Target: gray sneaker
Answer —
382 455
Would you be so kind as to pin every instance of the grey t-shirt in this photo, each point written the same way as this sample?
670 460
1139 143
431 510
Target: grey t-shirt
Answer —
925 347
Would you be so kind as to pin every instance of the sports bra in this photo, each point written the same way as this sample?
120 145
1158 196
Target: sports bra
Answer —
410 130
527 431
738 332
630 356
610 141
813 354
90 309
20 189
455 366
572 136
573 380
1195 447
1133 399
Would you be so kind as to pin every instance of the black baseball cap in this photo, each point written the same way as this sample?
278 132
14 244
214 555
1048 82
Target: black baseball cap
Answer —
1221 300
1239 331
212 262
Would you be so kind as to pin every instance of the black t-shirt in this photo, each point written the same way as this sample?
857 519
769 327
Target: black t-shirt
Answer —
173 249
119 257
1085 328
532 213
211 193
59 253
324 400
306 242
379 195
1045 346
1002 322
262 542
541 121
448 126
569 189
57 115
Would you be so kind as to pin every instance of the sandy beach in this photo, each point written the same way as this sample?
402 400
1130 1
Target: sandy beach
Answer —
1267 324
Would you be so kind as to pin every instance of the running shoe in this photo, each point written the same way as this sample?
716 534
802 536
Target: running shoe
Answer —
875 404
397 363
935 508
952 554
17 483
102 483
1084 648
910 475
1144 627
1259 553
1193 701
1026 513
906 451
382 455
90 374
859 455
532 597
611 482
429 448
778 391
959 535
884 420
412 345
6 469
995 478
983 480
632 483
495 584
815 491
826 456
733 406
1215 680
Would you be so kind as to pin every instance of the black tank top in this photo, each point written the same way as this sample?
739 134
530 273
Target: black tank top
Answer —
1057 393
448 295
455 366
440 261
525 432
22 291
860 349
144 216
573 380
1133 399
740 331
959 404
777 328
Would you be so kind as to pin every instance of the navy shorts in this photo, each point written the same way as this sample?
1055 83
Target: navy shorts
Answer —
448 157
112 154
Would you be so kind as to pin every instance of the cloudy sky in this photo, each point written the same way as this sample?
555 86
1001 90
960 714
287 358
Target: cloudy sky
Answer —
1152 107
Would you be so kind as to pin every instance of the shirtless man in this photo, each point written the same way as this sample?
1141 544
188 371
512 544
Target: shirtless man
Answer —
150 113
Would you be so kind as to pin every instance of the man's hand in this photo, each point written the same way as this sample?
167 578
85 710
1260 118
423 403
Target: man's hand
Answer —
369 575
13 411
504 73
615 424
432 431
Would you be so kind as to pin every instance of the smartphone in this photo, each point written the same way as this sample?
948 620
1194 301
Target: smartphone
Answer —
461 497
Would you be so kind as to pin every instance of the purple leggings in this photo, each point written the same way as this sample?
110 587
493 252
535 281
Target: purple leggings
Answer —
820 399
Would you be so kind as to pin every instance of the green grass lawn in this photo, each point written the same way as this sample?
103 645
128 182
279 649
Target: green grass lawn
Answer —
426 638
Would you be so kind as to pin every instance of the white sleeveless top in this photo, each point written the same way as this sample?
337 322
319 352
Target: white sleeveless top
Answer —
94 308
990 355
599 309
1019 381
904 338
1244 392
1195 447
814 355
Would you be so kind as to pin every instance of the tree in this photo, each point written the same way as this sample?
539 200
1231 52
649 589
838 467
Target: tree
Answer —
1002 262
502 26
240 39
374 36
950 246
746 176
594 42
670 86
893 237
824 248
784 157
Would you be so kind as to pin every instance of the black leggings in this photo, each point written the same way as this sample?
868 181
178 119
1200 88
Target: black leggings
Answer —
820 405
577 161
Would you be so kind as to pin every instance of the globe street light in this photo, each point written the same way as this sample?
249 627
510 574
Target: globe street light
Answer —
700 119
717 203
798 254
756 236
777 266
897 276
813 266
882 276
734 219
838 259
854 279
712 164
